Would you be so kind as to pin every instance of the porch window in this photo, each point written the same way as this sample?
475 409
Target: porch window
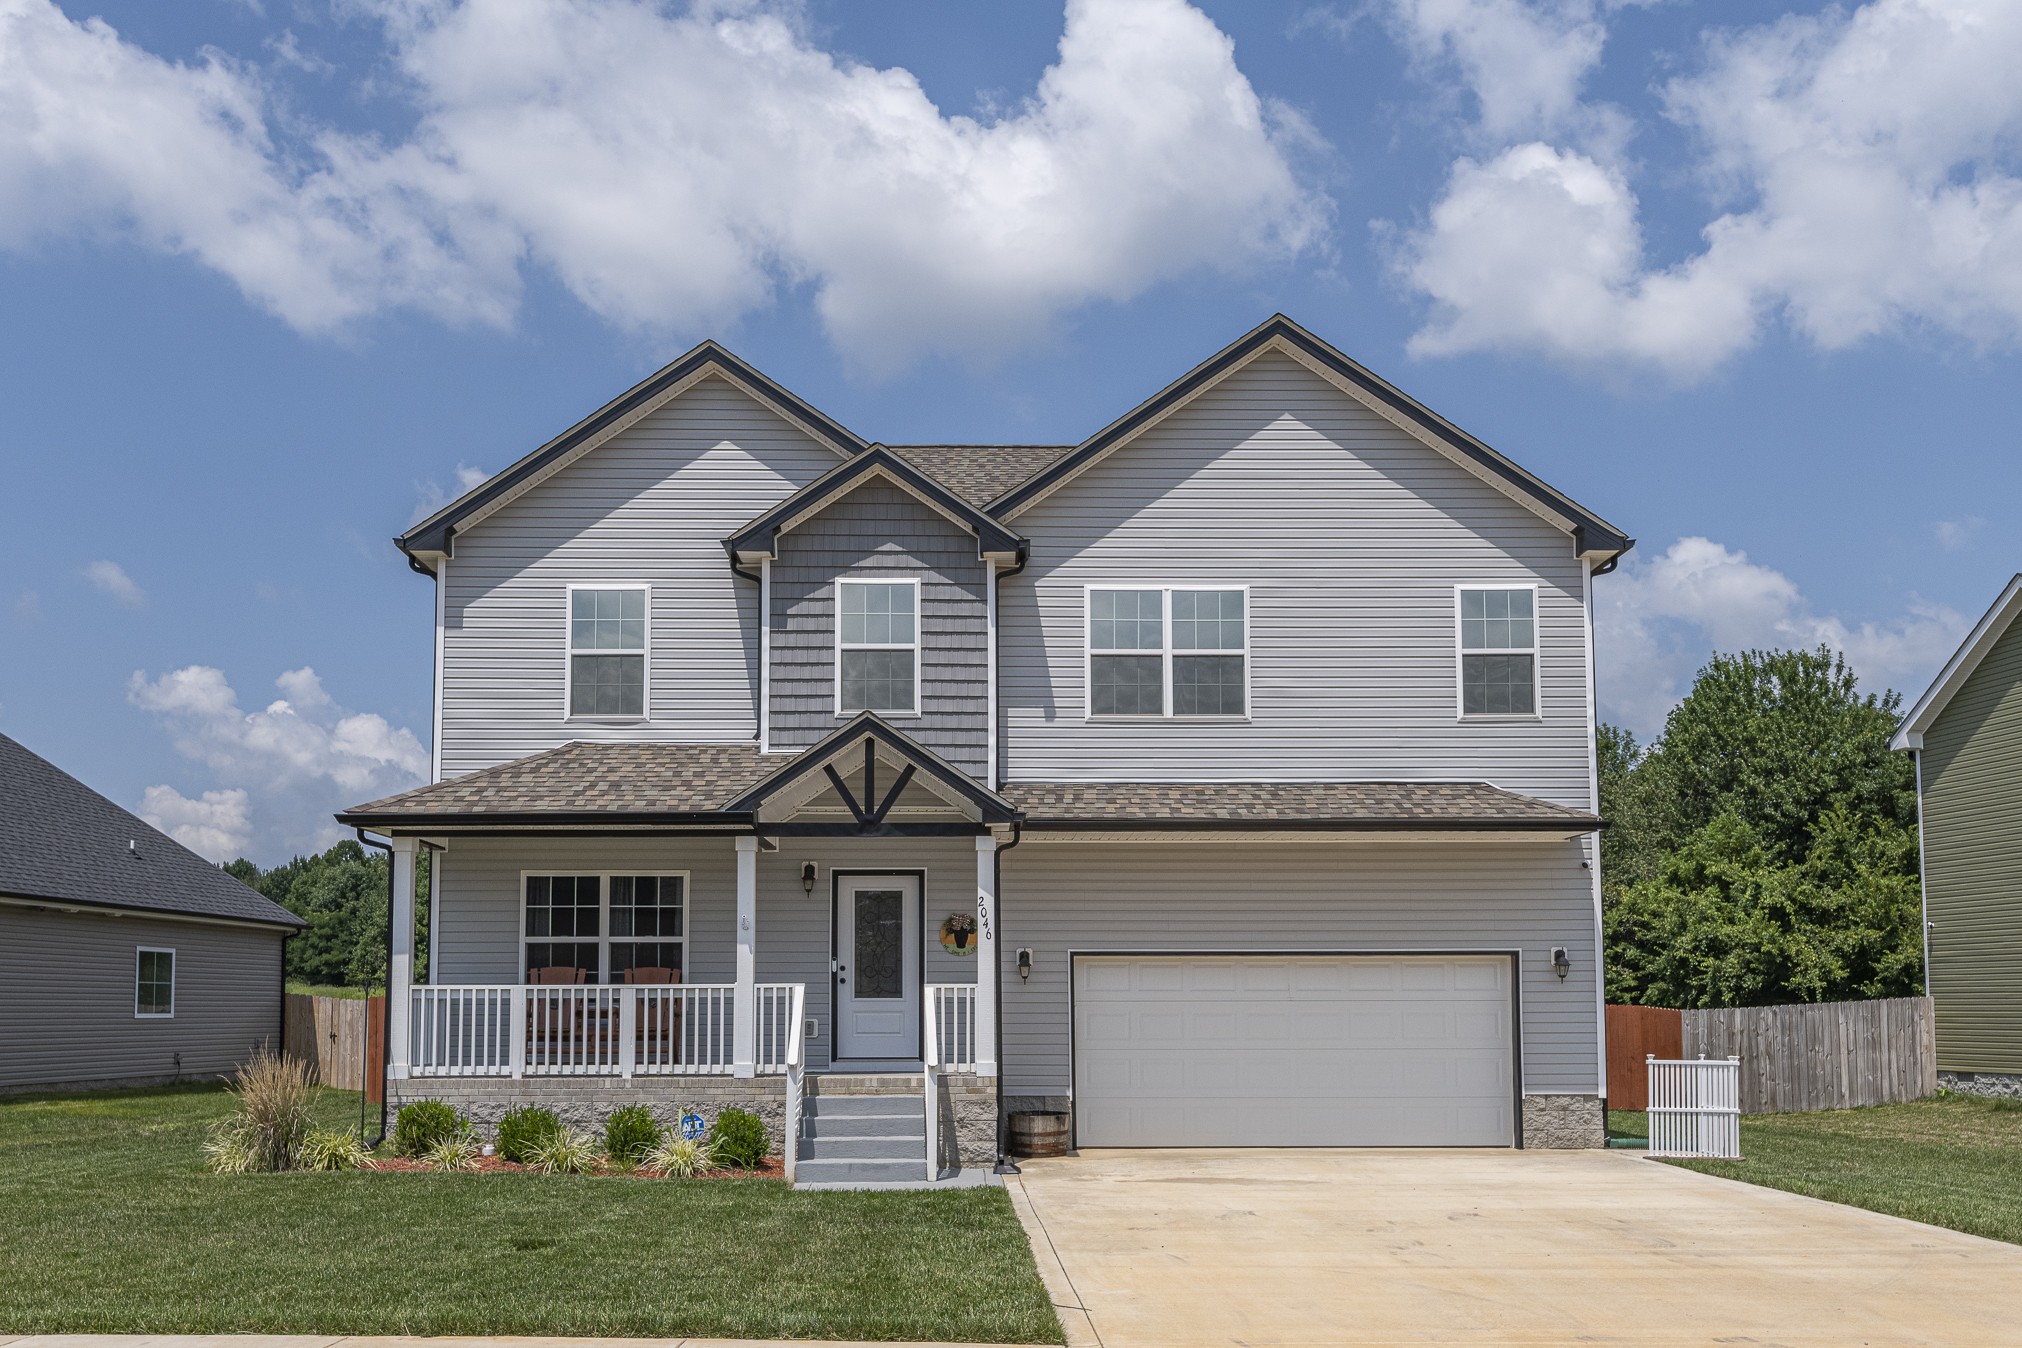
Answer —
877 646
1498 651
607 651
1168 651
154 983
598 928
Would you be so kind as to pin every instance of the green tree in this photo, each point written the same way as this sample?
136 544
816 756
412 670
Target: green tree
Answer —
341 894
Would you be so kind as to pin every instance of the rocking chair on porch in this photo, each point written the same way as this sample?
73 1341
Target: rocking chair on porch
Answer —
554 1026
659 1034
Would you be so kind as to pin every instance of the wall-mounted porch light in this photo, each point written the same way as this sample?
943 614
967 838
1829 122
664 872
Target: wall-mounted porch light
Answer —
1562 963
807 876
1024 962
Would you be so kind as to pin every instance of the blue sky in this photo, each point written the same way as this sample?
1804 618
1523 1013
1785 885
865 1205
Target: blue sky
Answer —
276 274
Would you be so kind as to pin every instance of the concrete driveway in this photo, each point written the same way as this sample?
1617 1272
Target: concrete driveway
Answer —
1157 1249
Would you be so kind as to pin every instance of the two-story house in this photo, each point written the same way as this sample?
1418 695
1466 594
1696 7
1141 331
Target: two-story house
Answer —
1226 779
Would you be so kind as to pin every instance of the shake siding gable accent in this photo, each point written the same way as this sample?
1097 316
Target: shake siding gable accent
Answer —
1352 537
874 532
650 506
67 998
1972 817
1289 896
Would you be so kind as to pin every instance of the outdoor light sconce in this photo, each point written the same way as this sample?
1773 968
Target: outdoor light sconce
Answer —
807 876
1562 963
1024 962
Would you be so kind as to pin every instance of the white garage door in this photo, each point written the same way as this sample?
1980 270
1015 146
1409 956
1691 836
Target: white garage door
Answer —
1292 1051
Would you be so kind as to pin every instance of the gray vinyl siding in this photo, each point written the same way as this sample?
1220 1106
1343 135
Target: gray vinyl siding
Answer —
67 998
650 506
1972 763
478 921
879 531
1453 896
1352 537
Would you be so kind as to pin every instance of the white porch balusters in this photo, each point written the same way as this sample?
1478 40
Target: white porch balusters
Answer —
744 1013
399 1000
986 956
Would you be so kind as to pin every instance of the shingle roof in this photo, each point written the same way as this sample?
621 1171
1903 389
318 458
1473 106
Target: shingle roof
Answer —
602 780
586 778
979 474
61 840
1455 805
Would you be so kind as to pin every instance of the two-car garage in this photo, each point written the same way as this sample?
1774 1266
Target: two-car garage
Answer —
1294 1050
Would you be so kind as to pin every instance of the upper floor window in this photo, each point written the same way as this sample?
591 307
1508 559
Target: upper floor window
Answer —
1498 651
877 646
1167 651
154 983
607 651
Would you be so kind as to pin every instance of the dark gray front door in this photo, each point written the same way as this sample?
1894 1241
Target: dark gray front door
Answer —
878 967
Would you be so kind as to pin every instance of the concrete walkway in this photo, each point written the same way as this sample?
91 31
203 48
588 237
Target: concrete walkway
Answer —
1172 1249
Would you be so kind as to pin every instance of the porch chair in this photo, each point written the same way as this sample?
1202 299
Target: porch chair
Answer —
659 1021
557 1031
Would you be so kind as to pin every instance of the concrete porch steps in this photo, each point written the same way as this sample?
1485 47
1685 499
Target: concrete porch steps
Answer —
849 1136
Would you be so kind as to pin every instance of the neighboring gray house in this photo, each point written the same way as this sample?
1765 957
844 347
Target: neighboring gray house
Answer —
1225 779
125 958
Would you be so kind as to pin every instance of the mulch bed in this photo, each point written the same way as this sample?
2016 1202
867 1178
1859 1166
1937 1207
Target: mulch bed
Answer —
770 1168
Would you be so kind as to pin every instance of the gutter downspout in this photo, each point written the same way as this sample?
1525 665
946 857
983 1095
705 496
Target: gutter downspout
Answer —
385 1046
1923 877
1004 1166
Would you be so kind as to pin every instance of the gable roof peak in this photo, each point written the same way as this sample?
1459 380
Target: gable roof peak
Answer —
1993 625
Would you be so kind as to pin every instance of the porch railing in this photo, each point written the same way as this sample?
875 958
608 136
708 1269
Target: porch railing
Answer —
951 1023
593 1030
1695 1107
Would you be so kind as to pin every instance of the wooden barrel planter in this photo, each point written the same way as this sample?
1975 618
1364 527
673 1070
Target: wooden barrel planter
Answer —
1039 1133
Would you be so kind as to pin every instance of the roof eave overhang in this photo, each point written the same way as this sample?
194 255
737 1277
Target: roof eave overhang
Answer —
759 540
100 908
991 808
1541 828
1992 626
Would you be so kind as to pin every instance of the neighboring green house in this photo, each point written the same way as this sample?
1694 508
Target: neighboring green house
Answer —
1966 733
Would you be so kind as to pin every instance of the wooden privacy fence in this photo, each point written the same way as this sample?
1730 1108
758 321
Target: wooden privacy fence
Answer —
1826 1055
342 1037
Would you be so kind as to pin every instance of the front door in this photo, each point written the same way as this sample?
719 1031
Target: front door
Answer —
878 967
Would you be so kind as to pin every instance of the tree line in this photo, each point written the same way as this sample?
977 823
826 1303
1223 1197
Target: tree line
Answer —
341 894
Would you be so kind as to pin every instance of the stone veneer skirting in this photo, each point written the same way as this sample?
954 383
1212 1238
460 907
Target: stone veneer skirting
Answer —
1999 1085
1564 1121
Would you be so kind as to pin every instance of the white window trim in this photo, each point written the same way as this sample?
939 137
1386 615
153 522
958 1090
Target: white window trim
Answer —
1165 652
170 951
1535 651
569 654
918 641
603 878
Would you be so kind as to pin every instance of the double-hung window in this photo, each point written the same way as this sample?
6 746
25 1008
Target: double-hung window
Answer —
607 651
1498 651
154 983
1168 651
877 646
600 928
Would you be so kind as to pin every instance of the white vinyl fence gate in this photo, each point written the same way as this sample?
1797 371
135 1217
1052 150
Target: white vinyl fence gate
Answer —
1695 1107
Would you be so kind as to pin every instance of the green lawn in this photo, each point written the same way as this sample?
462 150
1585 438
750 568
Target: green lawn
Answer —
112 1224
1953 1161
349 994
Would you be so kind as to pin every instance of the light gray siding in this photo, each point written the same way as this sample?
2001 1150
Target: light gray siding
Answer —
651 506
67 998
1461 896
879 531
478 917
1352 537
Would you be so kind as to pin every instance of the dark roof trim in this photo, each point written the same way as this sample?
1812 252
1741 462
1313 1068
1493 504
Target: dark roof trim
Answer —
433 534
284 923
759 536
1571 825
993 807
412 822
1594 533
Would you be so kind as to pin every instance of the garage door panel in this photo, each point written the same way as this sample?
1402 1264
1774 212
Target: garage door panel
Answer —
1293 1051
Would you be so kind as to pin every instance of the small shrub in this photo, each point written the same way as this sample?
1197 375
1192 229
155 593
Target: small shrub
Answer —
272 1094
630 1133
738 1138
457 1151
228 1147
524 1128
325 1149
682 1157
424 1123
566 1153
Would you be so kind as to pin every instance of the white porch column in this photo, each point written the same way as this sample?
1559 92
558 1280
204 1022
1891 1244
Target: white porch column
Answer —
744 1012
986 956
401 938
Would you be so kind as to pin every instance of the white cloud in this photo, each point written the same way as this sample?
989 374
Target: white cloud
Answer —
112 578
1524 63
676 171
216 825
1658 621
468 477
1868 161
1956 534
301 758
